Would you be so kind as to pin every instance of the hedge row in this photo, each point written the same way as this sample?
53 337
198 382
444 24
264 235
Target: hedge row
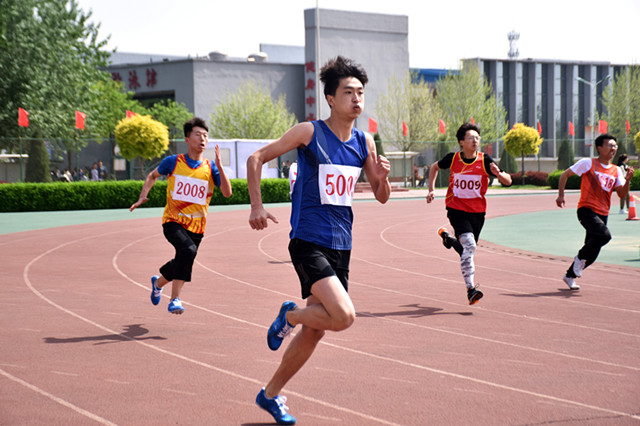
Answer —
574 181
28 197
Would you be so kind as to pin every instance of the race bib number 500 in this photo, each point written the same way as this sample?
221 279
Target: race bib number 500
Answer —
337 183
191 190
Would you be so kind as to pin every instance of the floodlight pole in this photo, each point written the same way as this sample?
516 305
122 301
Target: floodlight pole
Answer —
592 89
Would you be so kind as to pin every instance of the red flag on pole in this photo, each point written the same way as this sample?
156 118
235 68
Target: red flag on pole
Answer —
80 116
373 125
405 129
539 128
603 126
628 127
473 121
23 118
572 130
131 114
442 127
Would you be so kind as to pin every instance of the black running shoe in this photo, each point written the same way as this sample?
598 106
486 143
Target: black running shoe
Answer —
446 238
474 295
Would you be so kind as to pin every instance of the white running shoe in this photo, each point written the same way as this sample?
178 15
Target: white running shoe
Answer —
578 266
571 283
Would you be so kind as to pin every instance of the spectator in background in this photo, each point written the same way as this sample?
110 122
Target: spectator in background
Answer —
622 165
102 171
95 173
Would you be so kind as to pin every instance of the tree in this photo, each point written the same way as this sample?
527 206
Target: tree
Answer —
141 137
37 169
565 155
251 113
522 140
410 101
508 162
468 95
173 115
637 141
621 100
50 59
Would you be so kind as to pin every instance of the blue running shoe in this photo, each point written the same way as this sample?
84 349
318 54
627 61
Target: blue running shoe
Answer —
175 307
276 408
280 328
156 293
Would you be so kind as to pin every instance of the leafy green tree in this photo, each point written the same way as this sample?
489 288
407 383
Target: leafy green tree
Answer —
141 137
51 57
173 115
522 140
251 113
565 154
109 103
468 95
37 169
411 101
637 141
508 162
621 100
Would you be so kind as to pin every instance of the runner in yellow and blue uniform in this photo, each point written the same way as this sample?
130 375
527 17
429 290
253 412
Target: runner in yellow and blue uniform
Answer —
190 183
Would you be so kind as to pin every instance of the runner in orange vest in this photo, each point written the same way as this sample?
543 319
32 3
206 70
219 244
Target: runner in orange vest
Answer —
465 201
599 178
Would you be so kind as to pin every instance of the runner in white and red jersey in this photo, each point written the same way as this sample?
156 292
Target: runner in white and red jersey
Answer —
599 179
465 201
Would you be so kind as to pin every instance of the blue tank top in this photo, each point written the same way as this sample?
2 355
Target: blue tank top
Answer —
329 165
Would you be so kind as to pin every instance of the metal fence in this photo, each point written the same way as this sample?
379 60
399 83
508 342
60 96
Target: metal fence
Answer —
66 155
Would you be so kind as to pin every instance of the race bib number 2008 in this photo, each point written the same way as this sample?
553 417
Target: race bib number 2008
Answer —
336 183
191 190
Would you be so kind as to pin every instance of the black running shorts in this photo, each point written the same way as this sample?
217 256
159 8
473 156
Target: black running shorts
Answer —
313 263
463 222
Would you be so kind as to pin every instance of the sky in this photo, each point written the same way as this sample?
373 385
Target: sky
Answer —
441 33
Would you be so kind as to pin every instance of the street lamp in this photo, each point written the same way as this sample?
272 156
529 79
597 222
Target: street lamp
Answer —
593 87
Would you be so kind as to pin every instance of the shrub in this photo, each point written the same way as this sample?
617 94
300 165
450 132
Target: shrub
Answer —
530 178
23 197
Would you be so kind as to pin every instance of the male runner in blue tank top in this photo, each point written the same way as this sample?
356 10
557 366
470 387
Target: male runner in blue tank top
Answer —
331 154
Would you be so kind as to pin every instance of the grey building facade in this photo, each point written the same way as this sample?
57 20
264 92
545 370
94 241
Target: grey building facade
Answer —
552 94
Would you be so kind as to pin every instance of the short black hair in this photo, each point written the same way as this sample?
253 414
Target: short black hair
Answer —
338 68
462 131
604 137
194 122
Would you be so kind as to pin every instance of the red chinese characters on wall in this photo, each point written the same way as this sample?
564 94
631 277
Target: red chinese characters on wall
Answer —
151 77
133 80
310 90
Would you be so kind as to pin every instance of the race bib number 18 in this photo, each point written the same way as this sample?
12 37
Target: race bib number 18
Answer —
337 183
191 190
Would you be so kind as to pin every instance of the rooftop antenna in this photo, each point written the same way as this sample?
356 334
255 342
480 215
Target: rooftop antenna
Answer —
513 37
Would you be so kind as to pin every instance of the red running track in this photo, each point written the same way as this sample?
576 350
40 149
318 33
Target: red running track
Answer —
82 344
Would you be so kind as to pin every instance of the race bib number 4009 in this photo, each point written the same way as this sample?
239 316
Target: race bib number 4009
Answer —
467 186
337 183
191 190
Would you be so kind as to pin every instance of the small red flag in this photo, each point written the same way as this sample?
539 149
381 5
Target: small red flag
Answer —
603 126
373 125
405 129
80 116
539 128
572 130
442 127
473 121
23 118
131 114
628 127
